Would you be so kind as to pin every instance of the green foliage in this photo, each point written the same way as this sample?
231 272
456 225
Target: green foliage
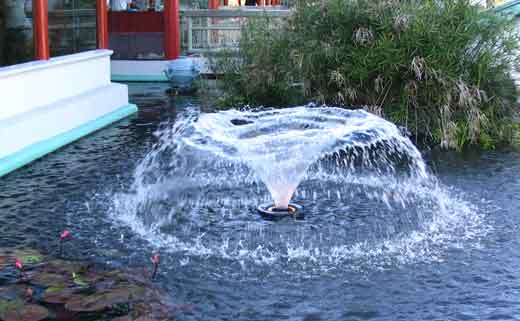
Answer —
440 68
257 76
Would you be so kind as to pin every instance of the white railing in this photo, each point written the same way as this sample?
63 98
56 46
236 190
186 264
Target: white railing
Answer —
202 30
205 31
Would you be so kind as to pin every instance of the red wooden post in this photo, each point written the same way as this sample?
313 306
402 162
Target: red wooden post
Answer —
41 30
213 4
267 2
172 35
226 2
102 24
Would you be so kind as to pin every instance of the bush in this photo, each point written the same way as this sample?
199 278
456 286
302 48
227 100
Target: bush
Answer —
440 68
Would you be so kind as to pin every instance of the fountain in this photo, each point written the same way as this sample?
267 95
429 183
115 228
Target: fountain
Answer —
367 193
280 145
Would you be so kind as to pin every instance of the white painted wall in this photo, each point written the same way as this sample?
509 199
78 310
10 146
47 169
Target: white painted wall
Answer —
43 99
35 84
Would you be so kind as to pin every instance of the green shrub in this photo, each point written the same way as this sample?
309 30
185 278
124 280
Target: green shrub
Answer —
440 68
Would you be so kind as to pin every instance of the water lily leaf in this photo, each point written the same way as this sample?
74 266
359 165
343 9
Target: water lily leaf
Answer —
100 301
78 280
58 294
18 310
29 312
54 289
49 279
12 292
67 267
123 318
29 256
4 260
135 276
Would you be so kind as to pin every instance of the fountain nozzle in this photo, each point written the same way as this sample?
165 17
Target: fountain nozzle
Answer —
270 212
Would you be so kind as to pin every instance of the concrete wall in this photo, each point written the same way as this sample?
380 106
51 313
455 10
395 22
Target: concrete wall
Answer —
47 104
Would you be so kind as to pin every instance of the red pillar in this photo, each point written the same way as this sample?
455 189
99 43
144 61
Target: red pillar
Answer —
213 4
102 24
226 2
41 30
172 35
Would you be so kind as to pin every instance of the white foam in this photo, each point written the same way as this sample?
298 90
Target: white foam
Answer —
203 177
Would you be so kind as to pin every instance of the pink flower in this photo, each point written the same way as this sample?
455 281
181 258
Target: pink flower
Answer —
65 234
18 264
155 259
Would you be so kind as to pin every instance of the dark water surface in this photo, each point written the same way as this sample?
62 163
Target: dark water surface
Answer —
476 278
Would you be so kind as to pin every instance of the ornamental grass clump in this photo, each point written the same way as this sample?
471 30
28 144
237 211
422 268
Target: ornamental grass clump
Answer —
440 68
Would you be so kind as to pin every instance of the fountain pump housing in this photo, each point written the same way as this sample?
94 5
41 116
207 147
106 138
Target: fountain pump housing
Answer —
270 212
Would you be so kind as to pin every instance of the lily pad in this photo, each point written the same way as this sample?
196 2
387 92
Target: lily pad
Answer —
67 267
101 300
58 294
135 276
29 256
123 318
79 280
146 312
12 292
19 311
4 260
49 279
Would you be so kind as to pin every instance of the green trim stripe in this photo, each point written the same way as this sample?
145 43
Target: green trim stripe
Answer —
42 148
140 78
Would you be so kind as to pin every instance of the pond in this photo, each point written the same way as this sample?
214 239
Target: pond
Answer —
347 260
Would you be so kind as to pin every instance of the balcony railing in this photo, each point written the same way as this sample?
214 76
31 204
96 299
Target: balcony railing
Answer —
212 30
202 31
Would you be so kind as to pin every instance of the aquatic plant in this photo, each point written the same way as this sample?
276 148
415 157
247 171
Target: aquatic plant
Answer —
439 68
155 260
76 290
18 264
63 237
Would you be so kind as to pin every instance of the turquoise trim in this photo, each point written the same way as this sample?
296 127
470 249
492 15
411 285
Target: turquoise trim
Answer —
140 78
42 148
509 8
